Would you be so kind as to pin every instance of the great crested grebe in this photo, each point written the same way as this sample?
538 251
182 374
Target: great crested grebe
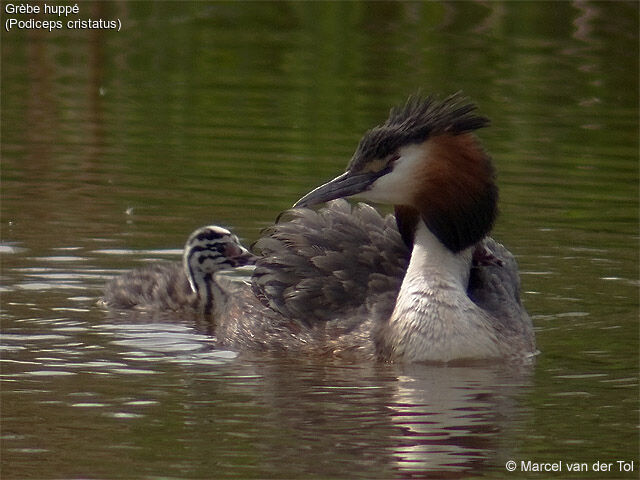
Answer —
428 287
181 286
426 161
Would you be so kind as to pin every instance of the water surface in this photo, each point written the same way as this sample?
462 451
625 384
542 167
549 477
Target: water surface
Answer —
116 145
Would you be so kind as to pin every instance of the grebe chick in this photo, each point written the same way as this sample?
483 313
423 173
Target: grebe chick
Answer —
178 286
425 286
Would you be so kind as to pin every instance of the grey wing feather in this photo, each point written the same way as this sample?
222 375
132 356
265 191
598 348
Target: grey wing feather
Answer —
496 289
317 266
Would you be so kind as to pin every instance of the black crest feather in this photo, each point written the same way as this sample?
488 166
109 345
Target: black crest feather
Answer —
414 122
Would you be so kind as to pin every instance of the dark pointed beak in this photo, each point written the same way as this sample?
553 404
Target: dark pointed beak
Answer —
245 258
238 256
342 186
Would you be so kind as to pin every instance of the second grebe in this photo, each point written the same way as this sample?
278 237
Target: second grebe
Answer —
186 286
337 280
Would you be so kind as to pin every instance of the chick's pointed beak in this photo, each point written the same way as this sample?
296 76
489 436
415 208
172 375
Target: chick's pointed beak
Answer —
239 256
344 185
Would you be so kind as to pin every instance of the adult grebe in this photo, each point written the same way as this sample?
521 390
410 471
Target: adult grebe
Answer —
177 286
337 280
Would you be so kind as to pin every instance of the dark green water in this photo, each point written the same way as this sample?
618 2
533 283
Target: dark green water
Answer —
117 144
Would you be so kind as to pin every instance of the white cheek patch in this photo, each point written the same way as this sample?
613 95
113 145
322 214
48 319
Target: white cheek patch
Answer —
398 186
